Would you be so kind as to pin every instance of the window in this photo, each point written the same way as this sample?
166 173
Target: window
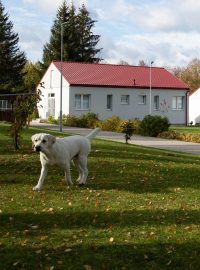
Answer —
156 102
82 102
51 79
5 105
109 102
142 99
177 103
51 95
125 99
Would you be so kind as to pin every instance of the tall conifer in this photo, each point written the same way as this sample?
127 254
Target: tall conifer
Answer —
87 39
78 40
12 60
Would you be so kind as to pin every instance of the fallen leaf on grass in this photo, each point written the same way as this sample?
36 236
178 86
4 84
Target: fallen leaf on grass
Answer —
43 237
16 263
111 239
87 267
34 227
68 250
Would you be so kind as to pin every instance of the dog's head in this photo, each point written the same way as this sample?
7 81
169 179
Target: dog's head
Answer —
42 142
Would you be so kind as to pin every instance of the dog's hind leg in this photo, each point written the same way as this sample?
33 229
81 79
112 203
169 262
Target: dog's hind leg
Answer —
44 171
80 170
82 163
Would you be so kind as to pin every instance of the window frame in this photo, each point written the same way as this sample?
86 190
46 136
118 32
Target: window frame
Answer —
176 102
82 102
5 105
156 102
109 103
126 100
143 101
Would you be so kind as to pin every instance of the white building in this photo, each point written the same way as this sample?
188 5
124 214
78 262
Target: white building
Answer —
194 107
125 91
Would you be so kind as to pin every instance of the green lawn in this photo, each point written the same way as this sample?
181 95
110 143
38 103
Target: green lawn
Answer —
140 210
187 130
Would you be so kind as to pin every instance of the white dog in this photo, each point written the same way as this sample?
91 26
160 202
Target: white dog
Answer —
61 151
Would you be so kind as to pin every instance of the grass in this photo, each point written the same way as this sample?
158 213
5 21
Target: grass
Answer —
186 130
140 210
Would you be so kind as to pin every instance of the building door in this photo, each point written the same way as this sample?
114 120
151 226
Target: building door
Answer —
51 105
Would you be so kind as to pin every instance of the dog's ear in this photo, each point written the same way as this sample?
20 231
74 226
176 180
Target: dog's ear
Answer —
52 139
33 137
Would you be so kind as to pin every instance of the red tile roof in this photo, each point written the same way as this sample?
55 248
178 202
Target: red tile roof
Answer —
106 75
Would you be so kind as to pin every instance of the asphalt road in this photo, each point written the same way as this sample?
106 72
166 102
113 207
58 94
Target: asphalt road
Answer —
173 145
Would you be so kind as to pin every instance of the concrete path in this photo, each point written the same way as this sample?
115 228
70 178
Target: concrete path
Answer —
174 145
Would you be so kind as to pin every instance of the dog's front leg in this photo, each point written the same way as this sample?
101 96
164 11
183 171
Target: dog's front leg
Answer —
44 171
68 178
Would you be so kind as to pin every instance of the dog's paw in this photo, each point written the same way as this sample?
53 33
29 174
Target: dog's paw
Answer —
81 184
36 188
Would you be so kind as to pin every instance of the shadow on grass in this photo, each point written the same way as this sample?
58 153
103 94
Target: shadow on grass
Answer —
99 219
112 166
123 256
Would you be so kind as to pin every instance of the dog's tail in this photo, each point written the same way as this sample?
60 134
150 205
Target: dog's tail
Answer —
93 133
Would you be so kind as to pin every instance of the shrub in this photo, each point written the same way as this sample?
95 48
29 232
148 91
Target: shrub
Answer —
127 128
69 120
136 124
52 120
111 124
171 134
88 120
153 125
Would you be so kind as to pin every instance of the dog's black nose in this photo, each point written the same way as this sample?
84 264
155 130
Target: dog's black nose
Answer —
38 148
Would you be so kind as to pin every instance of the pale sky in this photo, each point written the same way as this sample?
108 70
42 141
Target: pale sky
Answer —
164 31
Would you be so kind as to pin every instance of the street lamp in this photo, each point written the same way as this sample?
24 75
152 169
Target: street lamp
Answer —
150 82
61 70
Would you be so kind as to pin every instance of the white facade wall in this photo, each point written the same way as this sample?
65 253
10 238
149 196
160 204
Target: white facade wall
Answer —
51 81
194 107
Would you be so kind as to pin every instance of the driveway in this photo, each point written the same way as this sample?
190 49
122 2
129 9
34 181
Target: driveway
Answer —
174 145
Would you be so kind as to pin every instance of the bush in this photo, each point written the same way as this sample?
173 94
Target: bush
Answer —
88 120
153 125
136 124
111 124
171 134
52 120
127 128
69 120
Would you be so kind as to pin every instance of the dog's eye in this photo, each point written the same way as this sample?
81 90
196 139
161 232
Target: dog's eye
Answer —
44 141
36 140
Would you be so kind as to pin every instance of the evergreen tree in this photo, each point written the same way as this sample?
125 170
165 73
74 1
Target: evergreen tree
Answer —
87 43
12 61
52 50
78 40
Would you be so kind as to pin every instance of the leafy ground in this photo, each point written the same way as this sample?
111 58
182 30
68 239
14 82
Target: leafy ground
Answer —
140 210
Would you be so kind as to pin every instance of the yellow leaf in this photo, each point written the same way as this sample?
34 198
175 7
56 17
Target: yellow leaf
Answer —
111 239
87 267
43 237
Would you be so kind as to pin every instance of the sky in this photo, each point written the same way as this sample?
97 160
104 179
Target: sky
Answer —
166 32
